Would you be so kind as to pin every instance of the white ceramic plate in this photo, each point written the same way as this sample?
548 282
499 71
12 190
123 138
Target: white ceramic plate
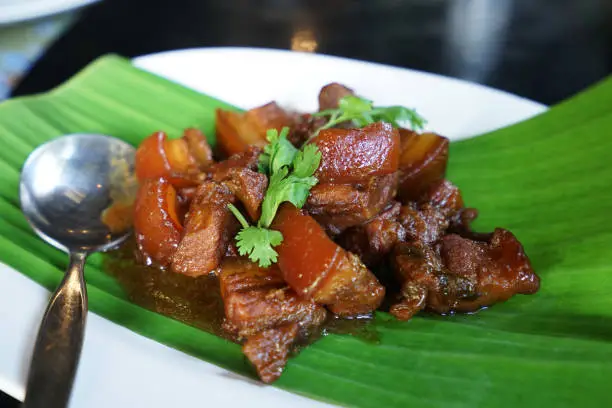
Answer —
13 11
122 369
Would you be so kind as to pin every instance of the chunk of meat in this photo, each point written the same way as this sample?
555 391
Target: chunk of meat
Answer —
248 186
375 239
260 307
330 95
269 350
258 299
237 131
209 225
157 224
239 174
303 128
354 155
198 147
317 268
180 161
425 284
500 266
464 276
438 207
425 224
340 206
247 159
423 160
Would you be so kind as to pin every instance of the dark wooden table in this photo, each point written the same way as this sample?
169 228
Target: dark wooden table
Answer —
545 50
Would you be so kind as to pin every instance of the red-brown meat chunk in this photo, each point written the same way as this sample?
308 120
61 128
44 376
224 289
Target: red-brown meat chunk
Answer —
428 219
257 299
260 307
461 274
317 268
330 95
208 227
268 350
423 161
237 131
375 239
354 155
340 206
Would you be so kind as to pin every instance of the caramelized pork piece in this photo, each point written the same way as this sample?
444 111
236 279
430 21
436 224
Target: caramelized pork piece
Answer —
317 268
247 159
269 350
428 219
304 126
260 307
209 225
331 94
461 274
376 238
499 265
198 147
422 161
355 155
157 224
340 206
180 161
258 298
237 131
249 187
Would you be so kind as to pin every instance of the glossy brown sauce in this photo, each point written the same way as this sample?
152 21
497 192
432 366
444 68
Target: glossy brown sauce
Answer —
197 301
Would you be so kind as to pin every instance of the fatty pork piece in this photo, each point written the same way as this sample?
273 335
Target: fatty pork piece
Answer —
239 175
319 269
439 210
330 95
373 240
422 161
340 206
440 207
261 308
356 155
357 175
209 225
237 131
461 275
180 161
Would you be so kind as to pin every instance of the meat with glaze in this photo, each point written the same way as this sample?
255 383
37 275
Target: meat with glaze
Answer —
319 269
260 307
461 275
209 225
340 206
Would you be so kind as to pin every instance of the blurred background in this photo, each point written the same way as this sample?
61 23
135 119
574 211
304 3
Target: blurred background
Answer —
545 50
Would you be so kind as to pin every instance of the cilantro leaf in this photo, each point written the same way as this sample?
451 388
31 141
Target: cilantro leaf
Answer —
361 112
306 161
278 153
290 173
258 244
291 188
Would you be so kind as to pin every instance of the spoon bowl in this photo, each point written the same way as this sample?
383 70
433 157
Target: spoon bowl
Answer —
76 192
67 185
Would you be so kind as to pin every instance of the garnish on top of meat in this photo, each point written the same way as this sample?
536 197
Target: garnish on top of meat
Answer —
303 205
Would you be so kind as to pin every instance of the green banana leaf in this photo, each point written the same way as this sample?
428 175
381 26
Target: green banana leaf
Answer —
548 179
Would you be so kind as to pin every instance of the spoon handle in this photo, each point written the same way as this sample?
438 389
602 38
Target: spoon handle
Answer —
60 338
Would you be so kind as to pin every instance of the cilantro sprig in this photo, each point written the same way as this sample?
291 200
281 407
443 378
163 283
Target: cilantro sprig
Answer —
362 112
291 176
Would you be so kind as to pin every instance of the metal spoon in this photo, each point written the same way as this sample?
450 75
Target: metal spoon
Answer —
67 187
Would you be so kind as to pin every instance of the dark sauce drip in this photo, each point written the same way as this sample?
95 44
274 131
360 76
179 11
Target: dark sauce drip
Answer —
197 301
